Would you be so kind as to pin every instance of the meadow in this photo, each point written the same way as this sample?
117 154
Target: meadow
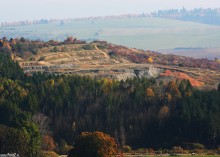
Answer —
145 33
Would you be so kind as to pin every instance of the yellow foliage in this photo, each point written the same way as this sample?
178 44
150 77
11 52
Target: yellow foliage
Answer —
1 88
51 82
171 85
188 93
150 60
168 97
7 45
23 93
107 85
176 93
13 42
217 60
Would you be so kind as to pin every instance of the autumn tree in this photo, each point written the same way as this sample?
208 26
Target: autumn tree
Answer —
150 60
70 40
47 143
94 144
150 92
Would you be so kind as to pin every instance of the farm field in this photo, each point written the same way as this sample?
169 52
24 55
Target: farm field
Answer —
143 32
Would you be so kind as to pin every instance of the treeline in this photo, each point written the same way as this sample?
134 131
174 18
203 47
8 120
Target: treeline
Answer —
137 112
207 16
35 22
25 48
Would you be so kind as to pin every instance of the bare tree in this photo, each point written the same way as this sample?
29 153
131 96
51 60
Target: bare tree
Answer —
43 123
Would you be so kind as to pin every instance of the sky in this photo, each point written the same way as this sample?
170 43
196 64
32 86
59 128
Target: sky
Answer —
15 10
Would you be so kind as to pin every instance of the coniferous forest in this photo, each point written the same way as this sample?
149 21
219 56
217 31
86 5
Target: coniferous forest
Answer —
136 112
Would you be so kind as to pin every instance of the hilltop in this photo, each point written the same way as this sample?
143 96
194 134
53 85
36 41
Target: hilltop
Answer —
100 59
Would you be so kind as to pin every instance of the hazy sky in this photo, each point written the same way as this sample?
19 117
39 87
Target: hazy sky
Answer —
13 10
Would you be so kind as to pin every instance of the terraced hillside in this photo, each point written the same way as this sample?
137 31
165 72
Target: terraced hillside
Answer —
101 59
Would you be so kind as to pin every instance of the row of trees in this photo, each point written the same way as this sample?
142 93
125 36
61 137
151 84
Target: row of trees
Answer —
207 16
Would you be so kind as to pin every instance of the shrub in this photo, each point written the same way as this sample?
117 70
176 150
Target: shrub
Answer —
192 146
47 143
142 150
177 150
199 151
64 150
42 58
165 151
210 152
127 149
151 151
96 144
88 47
160 151
198 146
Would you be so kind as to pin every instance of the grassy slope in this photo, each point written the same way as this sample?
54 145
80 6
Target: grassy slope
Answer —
97 62
144 33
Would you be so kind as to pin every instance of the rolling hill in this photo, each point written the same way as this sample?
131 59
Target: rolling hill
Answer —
104 60
139 32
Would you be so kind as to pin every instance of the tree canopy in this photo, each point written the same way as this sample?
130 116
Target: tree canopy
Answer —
94 144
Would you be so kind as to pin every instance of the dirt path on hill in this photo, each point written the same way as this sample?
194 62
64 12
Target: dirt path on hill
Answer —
102 52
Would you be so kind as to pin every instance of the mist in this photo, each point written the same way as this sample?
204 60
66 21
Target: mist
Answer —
31 9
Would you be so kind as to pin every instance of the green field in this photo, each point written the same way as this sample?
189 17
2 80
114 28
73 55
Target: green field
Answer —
143 32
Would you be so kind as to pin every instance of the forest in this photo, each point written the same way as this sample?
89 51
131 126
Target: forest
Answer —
136 112
206 16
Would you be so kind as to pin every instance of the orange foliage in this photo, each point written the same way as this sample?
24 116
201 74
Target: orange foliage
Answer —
180 75
150 92
6 45
168 97
164 111
94 144
150 60
47 143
